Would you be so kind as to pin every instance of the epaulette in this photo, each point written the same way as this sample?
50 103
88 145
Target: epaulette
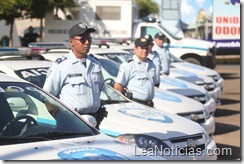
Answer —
149 60
155 52
129 60
93 57
59 60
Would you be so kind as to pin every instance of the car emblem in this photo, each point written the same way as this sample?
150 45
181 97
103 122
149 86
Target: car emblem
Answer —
191 143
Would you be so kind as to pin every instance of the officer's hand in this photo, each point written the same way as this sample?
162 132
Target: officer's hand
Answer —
52 108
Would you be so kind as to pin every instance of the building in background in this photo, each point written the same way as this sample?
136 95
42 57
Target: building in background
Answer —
217 21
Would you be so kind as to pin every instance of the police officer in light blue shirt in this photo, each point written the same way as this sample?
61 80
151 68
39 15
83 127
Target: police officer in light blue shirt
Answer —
163 51
154 56
138 74
76 79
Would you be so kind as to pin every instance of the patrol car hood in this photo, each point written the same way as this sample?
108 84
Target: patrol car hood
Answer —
135 118
175 103
171 83
199 70
99 147
189 76
197 43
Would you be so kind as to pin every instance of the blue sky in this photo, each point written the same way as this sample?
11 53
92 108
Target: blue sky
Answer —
189 9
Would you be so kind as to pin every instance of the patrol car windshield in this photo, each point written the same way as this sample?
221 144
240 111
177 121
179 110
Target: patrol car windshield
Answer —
117 57
170 33
107 65
36 76
111 96
27 114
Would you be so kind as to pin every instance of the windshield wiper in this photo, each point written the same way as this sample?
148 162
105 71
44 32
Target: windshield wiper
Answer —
57 134
5 140
114 101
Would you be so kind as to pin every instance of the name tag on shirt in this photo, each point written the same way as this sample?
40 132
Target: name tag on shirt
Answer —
75 75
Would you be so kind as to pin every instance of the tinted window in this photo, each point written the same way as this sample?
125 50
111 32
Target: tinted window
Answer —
27 111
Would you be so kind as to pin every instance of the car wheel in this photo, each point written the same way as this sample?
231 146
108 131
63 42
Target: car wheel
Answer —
192 60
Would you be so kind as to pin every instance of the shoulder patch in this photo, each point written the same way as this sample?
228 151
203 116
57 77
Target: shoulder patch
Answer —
59 60
129 60
93 57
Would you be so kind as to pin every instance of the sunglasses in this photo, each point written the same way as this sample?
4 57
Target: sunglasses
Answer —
83 40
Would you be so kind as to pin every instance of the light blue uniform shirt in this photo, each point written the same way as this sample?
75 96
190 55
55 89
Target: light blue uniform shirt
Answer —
157 61
74 84
164 56
138 77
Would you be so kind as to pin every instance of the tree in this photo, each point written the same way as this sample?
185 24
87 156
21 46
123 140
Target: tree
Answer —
39 8
11 9
147 7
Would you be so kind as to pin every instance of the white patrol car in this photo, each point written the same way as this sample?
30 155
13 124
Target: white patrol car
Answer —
198 70
22 63
204 81
36 126
189 90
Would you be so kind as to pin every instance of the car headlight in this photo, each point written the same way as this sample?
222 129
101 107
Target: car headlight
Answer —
206 136
143 141
208 97
198 82
206 113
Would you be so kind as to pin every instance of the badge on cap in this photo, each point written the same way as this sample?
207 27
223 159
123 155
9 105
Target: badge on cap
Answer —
82 26
146 36
143 40
160 34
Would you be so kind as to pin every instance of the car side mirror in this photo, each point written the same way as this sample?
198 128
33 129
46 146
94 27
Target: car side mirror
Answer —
90 119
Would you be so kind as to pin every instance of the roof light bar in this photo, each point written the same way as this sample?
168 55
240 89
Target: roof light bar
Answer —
37 50
7 51
150 20
49 45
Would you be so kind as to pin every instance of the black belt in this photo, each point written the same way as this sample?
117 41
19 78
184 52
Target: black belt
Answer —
148 103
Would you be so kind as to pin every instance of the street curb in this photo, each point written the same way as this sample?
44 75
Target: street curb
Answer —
228 59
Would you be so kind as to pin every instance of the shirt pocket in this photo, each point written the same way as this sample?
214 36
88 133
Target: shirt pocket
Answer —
78 85
142 78
152 73
96 75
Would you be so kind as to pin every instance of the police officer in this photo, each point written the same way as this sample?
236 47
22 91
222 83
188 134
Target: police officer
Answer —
76 79
163 51
138 74
154 56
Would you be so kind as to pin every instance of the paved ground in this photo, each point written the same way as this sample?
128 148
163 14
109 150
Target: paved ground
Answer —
228 118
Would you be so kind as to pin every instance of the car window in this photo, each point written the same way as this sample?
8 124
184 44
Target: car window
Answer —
26 111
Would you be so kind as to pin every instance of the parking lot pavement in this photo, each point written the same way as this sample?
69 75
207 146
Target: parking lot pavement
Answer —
227 134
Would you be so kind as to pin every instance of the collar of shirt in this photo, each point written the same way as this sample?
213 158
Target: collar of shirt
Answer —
82 61
74 59
135 58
